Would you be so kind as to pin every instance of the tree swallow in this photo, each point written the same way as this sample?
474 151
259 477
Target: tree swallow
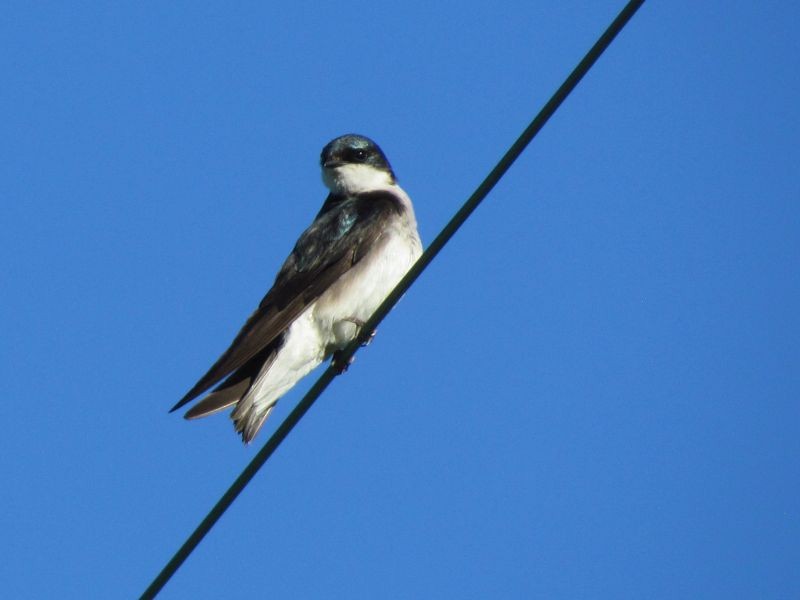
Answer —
361 243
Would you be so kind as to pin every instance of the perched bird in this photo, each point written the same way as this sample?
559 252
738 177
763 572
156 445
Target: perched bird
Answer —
361 243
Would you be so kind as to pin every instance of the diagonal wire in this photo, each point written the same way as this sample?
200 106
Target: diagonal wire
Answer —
436 246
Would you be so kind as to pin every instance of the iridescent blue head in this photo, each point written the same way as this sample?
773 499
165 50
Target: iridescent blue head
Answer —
354 163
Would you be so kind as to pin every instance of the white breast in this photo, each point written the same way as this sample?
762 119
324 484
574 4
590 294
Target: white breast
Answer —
356 295
355 178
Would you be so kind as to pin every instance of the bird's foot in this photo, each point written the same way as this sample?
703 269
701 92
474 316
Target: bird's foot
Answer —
360 325
340 364
371 337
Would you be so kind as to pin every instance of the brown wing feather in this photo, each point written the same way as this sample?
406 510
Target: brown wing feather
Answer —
321 256
230 391
218 400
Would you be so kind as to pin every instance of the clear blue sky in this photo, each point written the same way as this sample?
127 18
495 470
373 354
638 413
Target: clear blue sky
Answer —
594 392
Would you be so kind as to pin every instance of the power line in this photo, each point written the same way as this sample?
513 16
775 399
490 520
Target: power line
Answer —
344 357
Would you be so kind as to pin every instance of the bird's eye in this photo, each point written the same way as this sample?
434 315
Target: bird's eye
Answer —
358 155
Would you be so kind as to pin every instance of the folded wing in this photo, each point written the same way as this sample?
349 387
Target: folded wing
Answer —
339 238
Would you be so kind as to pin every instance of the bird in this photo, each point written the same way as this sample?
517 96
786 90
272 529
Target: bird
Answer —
361 243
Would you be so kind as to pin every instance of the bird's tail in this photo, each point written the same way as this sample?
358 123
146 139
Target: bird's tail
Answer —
248 422
218 400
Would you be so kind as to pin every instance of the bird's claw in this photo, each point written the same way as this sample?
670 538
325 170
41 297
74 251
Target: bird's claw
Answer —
340 364
368 341
360 325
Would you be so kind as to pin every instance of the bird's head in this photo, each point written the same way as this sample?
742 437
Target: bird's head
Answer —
354 163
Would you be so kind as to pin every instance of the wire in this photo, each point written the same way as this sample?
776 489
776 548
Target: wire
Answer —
344 357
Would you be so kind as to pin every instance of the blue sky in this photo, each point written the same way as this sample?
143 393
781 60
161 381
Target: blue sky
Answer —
591 393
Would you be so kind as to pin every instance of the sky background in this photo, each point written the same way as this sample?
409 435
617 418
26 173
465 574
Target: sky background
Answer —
593 392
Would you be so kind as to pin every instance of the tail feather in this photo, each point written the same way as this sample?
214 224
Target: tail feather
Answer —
218 400
250 422
235 389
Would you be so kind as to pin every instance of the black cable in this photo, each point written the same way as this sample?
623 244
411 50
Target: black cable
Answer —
449 230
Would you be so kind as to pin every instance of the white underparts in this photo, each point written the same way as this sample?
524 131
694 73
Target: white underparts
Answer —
355 178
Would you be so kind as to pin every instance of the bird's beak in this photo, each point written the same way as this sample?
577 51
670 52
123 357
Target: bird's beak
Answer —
332 164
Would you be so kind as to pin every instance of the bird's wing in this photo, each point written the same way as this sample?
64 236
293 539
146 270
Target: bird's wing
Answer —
339 238
236 385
